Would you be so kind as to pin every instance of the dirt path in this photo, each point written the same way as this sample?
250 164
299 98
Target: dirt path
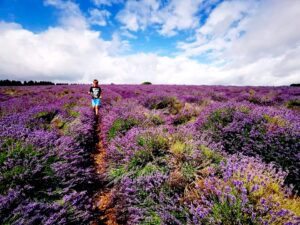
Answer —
102 200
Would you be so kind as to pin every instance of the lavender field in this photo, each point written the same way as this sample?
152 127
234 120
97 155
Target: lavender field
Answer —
157 154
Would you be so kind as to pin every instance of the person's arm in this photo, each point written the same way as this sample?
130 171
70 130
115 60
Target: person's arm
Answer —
90 92
100 92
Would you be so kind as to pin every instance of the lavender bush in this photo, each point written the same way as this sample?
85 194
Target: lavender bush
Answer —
46 174
270 133
171 166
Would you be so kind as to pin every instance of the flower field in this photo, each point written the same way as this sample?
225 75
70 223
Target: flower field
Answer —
169 155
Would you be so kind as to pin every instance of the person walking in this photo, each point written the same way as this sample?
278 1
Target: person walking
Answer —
96 93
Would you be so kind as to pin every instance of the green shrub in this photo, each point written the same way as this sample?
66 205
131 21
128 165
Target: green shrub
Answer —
147 83
46 116
167 102
152 219
148 169
158 145
214 156
116 174
182 119
156 120
188 171
222 116
293 104
140 159
121 126
74 113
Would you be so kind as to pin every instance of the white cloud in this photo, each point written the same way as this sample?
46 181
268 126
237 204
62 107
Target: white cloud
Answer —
271 40
259 40
62 54
170 18
271 32
223 26
106 2
73 52
179 15
138 14
70 13
223 17
51 54
98 17
128 34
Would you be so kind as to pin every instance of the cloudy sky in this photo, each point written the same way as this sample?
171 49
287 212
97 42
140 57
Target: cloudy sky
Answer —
255 42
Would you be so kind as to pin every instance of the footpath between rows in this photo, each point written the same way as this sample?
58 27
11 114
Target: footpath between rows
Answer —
102 204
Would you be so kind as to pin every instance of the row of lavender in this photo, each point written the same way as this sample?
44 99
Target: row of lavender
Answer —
46 173
203 155
167 151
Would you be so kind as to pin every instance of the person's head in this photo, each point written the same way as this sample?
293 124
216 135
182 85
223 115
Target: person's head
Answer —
95 82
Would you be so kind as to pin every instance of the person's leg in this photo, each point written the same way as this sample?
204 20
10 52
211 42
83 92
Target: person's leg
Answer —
93 105
97 103
96 110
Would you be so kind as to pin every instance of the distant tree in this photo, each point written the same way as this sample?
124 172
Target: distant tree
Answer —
25 83
30 83
46 83
295 85
10 83
146 83
61 84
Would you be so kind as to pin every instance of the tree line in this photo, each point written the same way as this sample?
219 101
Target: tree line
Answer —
27 83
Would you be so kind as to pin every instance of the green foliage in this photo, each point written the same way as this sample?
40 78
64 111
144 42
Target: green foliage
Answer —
180 148
156 120
46 116
275 120
10 174
115 174
74 113
214 156
140 159
14 149
295 85
147 83
59 123
23 171
188 171
221 117
69 105
141 141
121 126
223 212
158 145
152 219
42 120
148 169
293 104
69 108
182 119
168 102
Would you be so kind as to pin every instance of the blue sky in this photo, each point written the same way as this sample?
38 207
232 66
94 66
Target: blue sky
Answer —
164 41
37 16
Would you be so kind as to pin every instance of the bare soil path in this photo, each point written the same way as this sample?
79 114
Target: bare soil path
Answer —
102 200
